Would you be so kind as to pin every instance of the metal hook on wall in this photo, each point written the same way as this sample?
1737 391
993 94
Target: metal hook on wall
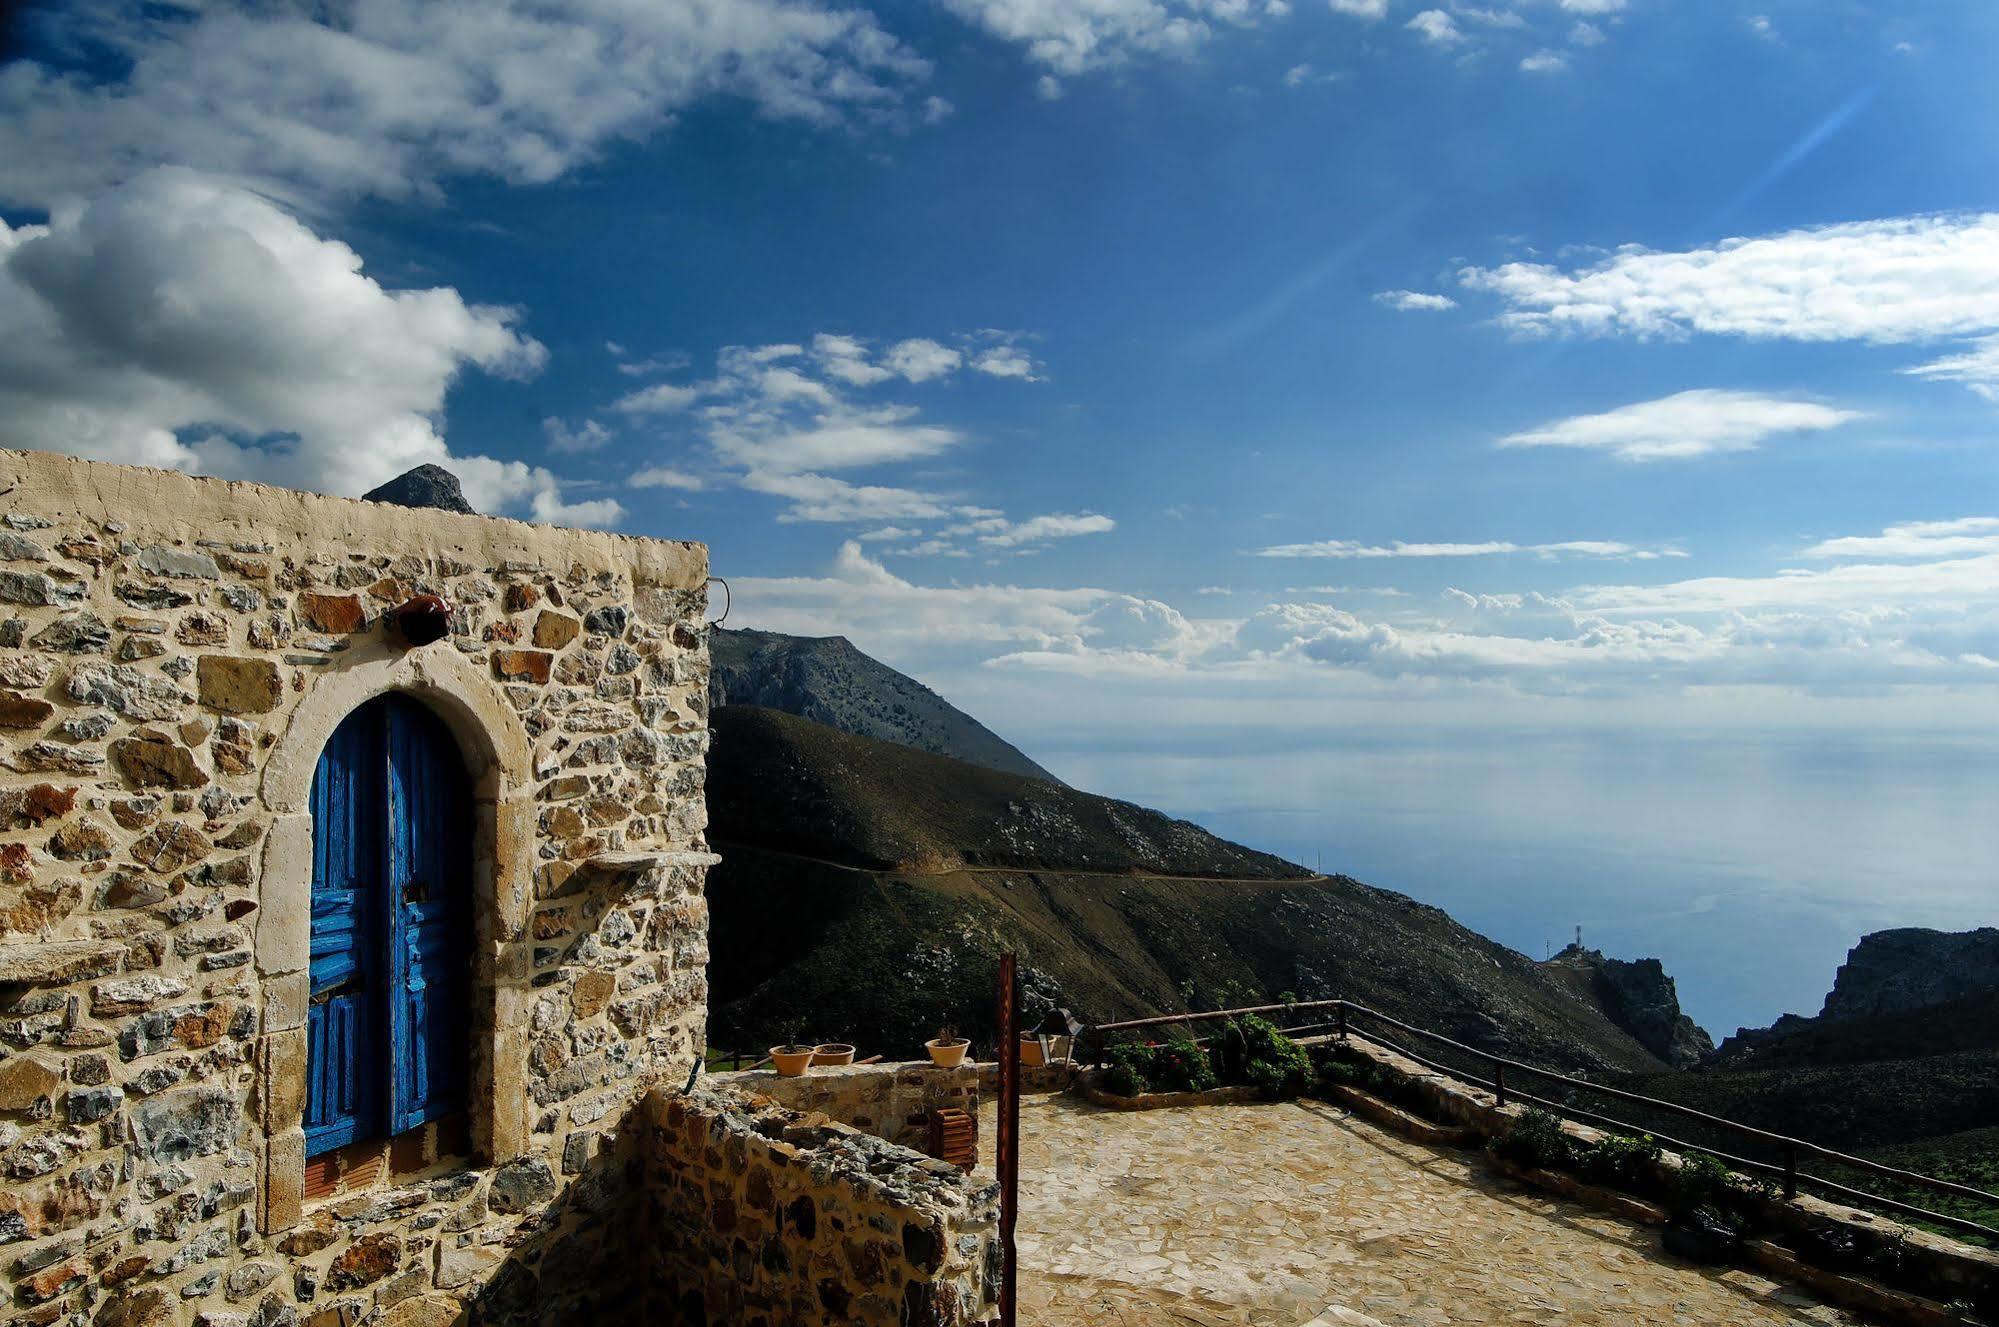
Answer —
728 600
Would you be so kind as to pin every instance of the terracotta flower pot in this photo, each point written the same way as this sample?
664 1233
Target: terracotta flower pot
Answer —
791 1061
1032 1054
947 1054
833 1052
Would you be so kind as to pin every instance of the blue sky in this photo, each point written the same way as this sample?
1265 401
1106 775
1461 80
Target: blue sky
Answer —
1494 445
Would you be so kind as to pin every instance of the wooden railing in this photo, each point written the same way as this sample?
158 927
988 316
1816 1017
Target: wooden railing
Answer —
1504 1077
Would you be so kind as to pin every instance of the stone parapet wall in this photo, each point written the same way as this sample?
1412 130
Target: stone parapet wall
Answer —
760 1215
891 1101
173 653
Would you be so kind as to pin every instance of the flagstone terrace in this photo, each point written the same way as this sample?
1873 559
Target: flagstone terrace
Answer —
1290 1213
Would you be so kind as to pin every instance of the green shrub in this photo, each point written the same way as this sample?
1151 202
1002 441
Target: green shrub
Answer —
1330 1073
1178 1066
1702 1181
1181 1066
1623 1161
1537 1140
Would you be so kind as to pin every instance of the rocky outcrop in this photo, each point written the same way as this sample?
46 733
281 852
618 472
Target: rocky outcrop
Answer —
1638 996
1891 972
425 486
825 679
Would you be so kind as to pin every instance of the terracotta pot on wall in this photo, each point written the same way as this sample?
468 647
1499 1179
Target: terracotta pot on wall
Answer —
833 1053
791 1061
947 1052
1032 1053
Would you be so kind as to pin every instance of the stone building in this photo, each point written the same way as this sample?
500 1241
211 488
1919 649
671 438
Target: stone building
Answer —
353 943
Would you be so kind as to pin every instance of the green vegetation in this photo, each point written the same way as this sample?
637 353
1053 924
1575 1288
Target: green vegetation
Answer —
1247 1051
1536 1140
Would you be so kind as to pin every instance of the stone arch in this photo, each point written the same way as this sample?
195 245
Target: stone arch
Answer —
498 755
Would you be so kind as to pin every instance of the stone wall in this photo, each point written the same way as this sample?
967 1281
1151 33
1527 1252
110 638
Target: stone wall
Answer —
173 653
763 1216
891 1101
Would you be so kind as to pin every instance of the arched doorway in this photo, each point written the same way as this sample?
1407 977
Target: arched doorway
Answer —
388 1023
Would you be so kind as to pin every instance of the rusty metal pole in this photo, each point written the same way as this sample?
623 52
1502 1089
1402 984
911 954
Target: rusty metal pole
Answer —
1007 1154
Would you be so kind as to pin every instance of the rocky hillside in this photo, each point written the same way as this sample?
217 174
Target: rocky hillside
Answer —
867 888
1892 972
1639 997
827 680
1906 1049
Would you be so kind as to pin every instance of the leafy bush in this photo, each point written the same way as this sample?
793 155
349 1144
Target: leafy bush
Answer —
1330 1072
1178 1066
1622 1160
1702 1181
1276 1065
1537 1140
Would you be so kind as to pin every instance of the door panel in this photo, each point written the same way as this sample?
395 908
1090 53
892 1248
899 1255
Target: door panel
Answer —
430 861
345 1080
387 1029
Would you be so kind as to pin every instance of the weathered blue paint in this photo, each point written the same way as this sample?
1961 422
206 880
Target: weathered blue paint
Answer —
387 1043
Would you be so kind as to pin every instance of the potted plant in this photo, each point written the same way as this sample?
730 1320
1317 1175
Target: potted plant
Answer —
1033 1050
792 1061
833 1053
947 1049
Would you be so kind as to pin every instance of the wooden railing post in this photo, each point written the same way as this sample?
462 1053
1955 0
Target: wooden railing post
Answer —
1790 1171
1343 1020
1499 1080
1006 1154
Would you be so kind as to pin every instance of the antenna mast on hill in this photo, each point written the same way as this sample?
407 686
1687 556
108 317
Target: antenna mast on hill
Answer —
1579 939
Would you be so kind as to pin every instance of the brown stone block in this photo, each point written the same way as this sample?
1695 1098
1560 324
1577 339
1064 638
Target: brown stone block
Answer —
553 630
336 614
522 665
34 806
521 596
18 711
238 686
151 759
41 907
364 1262
24 1081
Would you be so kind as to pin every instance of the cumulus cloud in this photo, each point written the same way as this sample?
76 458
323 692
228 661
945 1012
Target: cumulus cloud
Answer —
336 101
1687 424
1544 62
920 359
1414 301
1585 548
184 322
1907 280
1436 27
1371 10
589 436
1071 37
1041 529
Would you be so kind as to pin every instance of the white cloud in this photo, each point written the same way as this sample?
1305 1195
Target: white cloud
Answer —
662 398
1348 548
1071 37
1977 368
1436 27
1585 33
1048 88
1761 26
1545 62
889 534
1005 361
1687 424
817 497
589 436
392 99
1916 539
1907 280
920 359
1372 10
184 322
1414 301
1040 529
664 476
1594 6
1491 18
846 358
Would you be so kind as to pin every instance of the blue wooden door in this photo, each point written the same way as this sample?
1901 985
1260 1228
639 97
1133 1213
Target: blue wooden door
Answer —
392 843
